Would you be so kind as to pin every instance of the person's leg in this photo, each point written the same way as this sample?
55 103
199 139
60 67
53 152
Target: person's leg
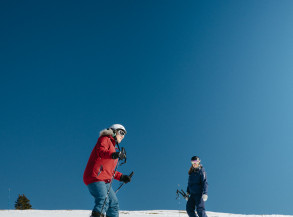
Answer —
200 207
99 191
190 207
113 208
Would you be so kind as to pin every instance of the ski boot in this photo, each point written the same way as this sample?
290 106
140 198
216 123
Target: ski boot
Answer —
97 214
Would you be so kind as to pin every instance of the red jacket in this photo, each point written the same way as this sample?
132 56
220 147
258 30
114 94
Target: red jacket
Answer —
101 155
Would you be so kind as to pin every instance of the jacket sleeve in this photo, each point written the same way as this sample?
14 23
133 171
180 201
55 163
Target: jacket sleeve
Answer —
103 148
118 176
187 189
204 182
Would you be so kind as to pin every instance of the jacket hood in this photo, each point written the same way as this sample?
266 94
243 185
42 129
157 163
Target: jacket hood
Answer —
107 132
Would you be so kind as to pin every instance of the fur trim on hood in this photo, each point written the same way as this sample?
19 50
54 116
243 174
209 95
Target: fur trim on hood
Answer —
107 132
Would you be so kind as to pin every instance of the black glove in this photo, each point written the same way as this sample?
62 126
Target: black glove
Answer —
119 155
125 178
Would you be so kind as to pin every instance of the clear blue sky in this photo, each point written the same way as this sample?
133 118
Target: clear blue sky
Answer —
207 78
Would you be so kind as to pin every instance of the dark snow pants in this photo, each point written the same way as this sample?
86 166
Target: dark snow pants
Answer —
195 201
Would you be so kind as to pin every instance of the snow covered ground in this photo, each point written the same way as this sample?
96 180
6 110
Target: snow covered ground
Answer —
86 213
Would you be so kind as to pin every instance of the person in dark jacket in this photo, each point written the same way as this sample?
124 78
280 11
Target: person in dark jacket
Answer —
100 170
197 189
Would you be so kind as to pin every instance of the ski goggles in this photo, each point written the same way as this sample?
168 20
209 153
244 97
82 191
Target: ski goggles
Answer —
195 161
121 132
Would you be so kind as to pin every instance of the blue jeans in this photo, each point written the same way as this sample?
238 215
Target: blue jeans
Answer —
195 201
99 191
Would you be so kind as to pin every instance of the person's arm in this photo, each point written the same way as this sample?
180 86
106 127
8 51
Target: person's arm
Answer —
117 175
205 185
103 148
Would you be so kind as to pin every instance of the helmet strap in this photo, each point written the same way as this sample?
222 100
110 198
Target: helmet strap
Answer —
115 137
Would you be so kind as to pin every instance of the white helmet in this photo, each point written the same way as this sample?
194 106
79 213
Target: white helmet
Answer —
118 127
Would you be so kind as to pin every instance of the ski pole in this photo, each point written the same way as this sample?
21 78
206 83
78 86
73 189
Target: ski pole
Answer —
131 174
184 195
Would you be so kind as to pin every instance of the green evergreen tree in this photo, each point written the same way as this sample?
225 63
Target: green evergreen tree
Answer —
22 203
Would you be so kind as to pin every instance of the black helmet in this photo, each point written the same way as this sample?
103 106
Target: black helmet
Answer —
194 158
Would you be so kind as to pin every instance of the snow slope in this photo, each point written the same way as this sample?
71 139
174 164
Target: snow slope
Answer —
86 213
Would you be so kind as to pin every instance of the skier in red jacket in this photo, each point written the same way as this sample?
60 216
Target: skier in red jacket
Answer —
101 168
